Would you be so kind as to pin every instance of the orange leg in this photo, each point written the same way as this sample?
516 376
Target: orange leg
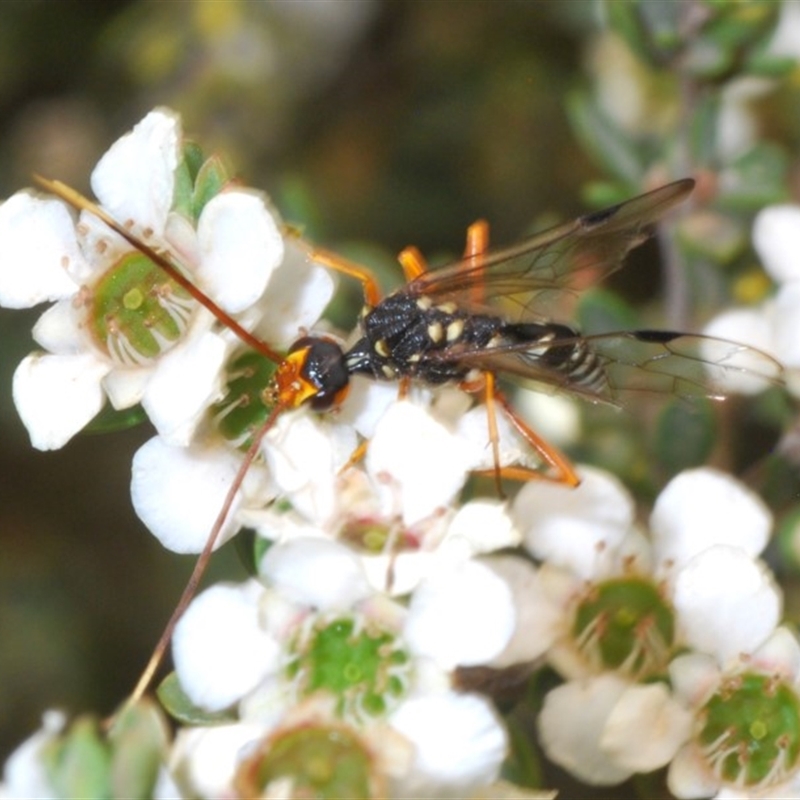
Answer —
477 245
372 292
564 471
412 262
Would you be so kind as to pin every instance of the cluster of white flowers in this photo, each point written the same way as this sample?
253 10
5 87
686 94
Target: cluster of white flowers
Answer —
374 584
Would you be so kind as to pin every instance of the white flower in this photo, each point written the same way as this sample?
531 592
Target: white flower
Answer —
745 738
625 611
773 326
24 774
318 629
120 329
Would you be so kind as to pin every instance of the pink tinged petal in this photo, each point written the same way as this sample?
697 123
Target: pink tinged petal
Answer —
57 396
694 678
776 238
463 614
37 243
646 728
572 722
743 372
689 775
240 245
538 620
220 650
178 492
184 383
316 572
780 654
727 602
417 463
58 331
573 528
459 744
135 179
703 507
297 294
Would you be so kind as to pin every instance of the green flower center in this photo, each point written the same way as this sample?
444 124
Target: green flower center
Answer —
137 312
320 761
625 624
242 410
751 731
366 670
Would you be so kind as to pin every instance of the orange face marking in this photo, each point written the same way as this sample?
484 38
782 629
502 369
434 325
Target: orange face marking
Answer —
292 388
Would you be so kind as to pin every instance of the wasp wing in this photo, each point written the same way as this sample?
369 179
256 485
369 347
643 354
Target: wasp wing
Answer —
665 362
565 258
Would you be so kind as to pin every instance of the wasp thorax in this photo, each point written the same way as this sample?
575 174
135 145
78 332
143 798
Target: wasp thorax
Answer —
314 371
136 312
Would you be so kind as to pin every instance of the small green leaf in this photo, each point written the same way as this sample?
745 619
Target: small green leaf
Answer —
109 419
611 147
139 742
211 179
685 434
78 763
178 705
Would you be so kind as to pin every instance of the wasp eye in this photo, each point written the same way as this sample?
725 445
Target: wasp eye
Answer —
324 367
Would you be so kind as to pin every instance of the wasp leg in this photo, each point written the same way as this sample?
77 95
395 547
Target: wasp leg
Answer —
372 293
412 262
564 471
477 244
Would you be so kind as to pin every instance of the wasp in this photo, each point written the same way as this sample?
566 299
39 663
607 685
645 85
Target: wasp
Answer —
481 318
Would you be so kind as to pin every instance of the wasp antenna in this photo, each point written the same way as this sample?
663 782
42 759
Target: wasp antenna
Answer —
77 200
201 564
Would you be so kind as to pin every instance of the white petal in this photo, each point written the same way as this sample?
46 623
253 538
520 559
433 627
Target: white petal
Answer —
56 396
486 525
316 572
703 507
240 246
25 774
296 296
776 238
786 328
219 648
463 614
571 723
741 371
646 728
57 330
185 382
728 603
366 403
418 464
126 387
694 677
37 241
304 456
179 491
459 744
473 427
572 527
690 775
780 654
135 179
538 619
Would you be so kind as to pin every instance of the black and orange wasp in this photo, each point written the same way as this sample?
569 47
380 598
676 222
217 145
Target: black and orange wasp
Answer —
484 317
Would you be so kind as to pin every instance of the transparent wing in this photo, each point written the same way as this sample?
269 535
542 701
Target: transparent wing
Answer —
565 258
681 364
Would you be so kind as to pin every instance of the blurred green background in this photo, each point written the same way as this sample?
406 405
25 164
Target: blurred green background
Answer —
371 124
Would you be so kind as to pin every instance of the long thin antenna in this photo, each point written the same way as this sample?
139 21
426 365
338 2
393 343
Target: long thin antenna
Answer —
202 562
76 199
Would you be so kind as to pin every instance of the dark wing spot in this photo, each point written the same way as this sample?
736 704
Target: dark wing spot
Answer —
599 217
657 337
